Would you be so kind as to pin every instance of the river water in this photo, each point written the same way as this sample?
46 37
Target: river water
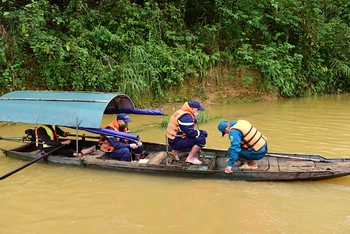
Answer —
58 199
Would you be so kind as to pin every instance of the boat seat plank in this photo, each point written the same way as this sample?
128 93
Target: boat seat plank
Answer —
95 154
157 158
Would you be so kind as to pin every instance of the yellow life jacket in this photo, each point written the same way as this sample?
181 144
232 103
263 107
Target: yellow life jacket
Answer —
173 125
51 132
252 138
103 142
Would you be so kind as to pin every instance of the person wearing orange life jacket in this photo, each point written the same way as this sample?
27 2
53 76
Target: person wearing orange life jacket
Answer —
247 144
47 140
118 148
182 135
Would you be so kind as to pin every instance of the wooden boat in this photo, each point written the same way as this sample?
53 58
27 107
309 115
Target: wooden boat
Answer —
84 111
275 167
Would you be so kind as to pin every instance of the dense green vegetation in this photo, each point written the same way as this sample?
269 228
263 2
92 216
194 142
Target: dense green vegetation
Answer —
300 47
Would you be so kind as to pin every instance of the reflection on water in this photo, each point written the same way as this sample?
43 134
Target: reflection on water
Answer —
55 199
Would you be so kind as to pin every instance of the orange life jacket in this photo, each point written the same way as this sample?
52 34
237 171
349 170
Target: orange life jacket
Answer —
173 125
252 138
51 132
103 142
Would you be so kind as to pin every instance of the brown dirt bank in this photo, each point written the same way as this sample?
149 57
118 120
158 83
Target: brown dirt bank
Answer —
221 86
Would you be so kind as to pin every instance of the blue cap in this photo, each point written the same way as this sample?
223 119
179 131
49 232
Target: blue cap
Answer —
124 117
195 104
222 126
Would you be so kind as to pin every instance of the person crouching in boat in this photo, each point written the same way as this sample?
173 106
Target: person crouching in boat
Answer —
181 134
118 148
247 144
47 140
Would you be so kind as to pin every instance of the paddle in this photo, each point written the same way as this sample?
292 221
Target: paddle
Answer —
31 162
85 136
13 138
299 158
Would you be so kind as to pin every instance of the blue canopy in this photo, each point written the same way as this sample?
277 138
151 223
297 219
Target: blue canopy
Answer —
70 109
112 132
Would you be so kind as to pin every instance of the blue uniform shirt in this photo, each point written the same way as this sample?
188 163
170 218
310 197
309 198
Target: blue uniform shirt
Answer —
235 149
186 125
235 137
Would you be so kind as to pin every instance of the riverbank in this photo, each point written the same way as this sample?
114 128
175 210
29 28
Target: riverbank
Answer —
221 86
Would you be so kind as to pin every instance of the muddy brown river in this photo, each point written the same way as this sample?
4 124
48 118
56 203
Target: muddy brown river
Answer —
51 199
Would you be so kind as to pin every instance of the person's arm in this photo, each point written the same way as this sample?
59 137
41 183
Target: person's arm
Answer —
42 134
235 146
117 144
60 132
186 124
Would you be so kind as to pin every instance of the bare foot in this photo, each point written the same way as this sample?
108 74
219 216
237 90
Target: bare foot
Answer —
252 164
88 150
194 161
175 154
248 167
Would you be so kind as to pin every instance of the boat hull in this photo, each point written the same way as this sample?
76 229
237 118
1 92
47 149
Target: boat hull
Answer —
289 167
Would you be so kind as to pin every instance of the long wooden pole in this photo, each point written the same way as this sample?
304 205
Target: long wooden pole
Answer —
31 162
299 158
10 137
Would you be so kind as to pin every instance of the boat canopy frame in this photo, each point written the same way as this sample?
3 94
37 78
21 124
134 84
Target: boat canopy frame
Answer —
82 110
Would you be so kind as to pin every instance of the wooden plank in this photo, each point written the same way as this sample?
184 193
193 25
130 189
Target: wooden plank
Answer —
156 159
151 155
210 158
287 165
272 164
95 154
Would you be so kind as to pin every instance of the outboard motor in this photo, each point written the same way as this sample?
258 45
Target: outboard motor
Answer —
30 134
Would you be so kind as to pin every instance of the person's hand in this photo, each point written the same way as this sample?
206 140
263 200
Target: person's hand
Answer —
66 142
133 146
205 133
228 170
139 143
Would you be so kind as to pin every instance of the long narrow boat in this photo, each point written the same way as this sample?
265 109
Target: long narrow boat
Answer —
276 167
84 111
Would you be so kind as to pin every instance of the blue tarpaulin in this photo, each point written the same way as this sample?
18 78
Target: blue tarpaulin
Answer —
70 109
112 132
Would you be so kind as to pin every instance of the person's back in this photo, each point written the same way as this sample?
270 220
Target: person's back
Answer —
247 144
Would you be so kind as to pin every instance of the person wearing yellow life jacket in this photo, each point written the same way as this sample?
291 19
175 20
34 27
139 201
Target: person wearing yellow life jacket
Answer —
246 144
47 140
182 135
118 148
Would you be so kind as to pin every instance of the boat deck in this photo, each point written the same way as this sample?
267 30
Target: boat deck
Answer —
210 161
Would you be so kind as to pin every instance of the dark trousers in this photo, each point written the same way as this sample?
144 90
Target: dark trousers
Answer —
124 154
185 143
67 150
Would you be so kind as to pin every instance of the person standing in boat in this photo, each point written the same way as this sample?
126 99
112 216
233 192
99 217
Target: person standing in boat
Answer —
47 140
182 135
247 144
119 148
